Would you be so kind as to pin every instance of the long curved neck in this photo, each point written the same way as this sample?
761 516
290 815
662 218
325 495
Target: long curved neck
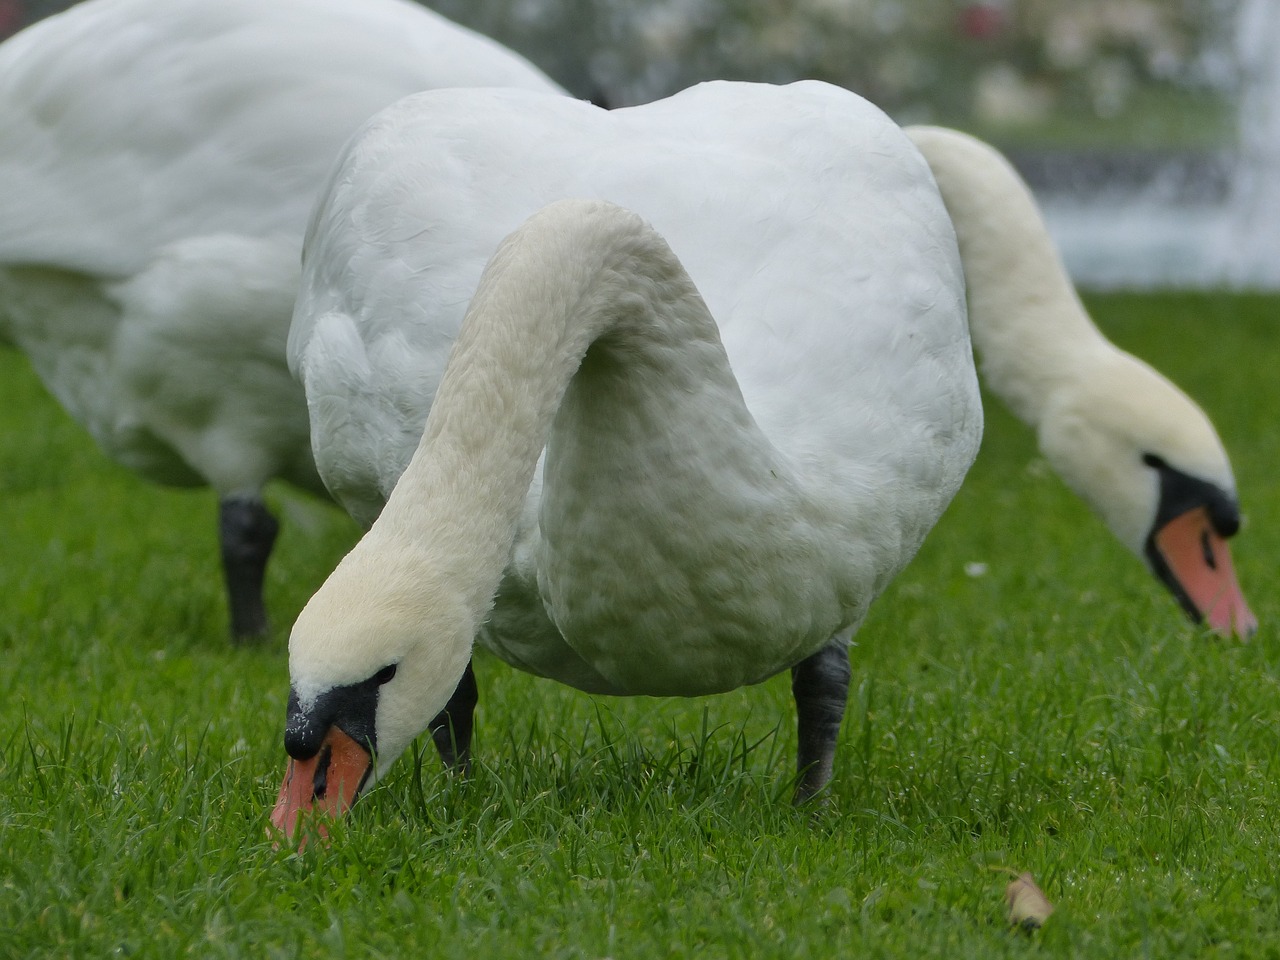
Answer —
1029 328
577 275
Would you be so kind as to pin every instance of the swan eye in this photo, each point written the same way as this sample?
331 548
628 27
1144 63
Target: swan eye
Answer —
385 674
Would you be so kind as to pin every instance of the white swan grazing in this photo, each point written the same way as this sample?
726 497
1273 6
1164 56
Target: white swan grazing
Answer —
1129 442
158 159
725 487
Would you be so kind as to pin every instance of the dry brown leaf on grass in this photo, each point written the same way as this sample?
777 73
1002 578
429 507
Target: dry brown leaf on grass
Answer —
1029 908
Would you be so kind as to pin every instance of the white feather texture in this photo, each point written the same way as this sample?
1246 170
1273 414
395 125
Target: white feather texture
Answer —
1097 410
157 162
729 479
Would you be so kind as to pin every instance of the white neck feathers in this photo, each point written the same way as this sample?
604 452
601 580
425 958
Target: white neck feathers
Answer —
1030 331
1098 411
575 274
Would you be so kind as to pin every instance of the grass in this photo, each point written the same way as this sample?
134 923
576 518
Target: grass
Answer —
1054 715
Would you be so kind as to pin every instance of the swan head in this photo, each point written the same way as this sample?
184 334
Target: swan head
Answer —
373 658
1148 460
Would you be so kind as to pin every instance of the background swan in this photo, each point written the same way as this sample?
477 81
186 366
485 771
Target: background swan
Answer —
1130 443
157 162
719 498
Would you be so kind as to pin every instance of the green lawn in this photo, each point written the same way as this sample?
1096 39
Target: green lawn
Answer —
1054 715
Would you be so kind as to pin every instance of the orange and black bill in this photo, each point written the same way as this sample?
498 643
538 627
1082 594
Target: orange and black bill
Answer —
323 786
1192 558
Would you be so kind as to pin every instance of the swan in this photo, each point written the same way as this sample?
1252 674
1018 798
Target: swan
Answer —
158 160
1133 446
707 398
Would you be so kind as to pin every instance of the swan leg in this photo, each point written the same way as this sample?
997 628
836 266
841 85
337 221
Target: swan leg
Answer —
247 531
820 684
452 727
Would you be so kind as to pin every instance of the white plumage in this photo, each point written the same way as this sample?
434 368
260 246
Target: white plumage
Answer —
157 162
730 479
726 487
857 370
1130 443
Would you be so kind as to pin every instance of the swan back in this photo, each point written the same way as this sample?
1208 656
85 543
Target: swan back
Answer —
424 194
129 124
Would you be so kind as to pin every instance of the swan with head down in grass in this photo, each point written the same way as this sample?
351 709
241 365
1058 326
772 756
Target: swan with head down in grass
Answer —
708 396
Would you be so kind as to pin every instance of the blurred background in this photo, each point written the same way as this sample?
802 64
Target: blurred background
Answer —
1149 129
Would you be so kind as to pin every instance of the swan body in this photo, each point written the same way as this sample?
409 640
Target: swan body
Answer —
158 159
377 318
741 341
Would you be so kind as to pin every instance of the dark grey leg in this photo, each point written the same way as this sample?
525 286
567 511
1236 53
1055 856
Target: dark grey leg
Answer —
247 532
451 729
820 685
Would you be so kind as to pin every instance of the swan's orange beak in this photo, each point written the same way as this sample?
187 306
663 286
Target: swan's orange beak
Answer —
327 784
1199 563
